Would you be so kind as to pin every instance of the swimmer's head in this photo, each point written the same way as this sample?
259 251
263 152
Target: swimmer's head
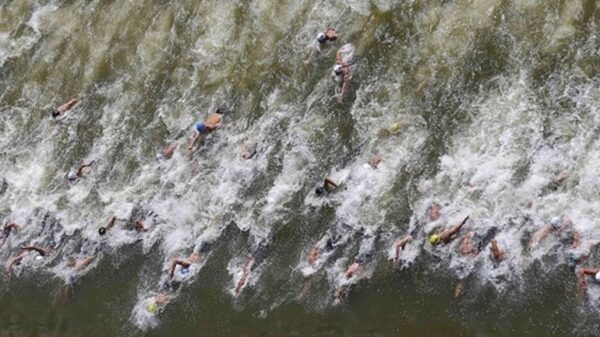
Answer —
152 308
321 38
184 271
337 69
72 176
159 157
319 191
200 127
221 110
55 113
555 222
435 239
102 230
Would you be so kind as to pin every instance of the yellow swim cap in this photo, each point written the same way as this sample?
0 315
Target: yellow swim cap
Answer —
435 239
152 308
395 127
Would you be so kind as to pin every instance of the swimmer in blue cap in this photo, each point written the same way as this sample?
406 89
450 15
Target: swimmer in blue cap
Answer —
185 264
209 125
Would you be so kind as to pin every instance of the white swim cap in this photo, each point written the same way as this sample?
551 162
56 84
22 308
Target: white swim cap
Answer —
39 257
337 69
598 276
72 176
555 222
321 38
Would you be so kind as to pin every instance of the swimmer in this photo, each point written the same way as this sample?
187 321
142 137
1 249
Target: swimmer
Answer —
248 151
209 125
558 180
341 72
466 246
8 228
497 253
140 226
434 211
167 152
109 225
185 264
25 251
375 161
73 176
318 248
582 283
564 225
328 186
81 264
400 245
329 35
63 109
446 235
254 260
159 299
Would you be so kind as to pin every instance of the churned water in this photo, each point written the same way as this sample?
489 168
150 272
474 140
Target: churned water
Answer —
479 108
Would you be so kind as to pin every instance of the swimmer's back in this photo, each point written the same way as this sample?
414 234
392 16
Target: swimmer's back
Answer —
214 119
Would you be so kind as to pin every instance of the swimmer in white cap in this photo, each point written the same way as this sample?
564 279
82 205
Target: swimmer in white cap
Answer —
341 72
330 35
556 224
25 251
582 283
73 176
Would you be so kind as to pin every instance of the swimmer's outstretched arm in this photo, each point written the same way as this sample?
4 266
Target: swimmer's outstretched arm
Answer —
497 253
400 244
194 141
183 263
338 57
72 103
84 166
245 276
448 233
13 261
329 183
540 235
42 251
582 283
111 222
313 256
84 263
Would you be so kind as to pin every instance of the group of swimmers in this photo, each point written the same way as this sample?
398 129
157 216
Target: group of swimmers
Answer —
471 244
341 74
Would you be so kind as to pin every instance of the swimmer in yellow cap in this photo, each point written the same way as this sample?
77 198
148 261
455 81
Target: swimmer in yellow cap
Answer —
446 235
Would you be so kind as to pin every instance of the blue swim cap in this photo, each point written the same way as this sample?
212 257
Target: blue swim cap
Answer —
200 127
184 271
